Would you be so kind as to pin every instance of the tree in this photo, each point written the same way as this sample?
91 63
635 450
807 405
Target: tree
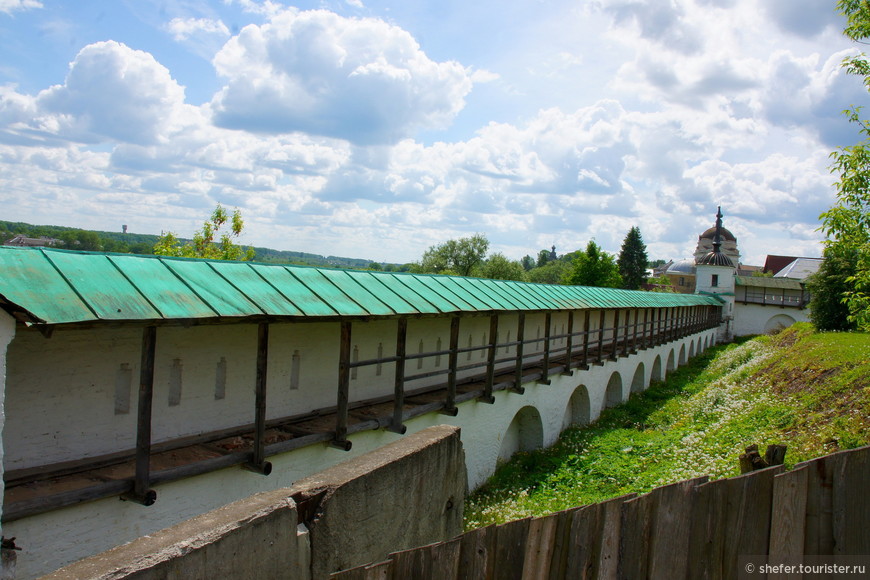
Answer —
827 287
498 267
204 245
847 223
528 262
632 260
594 267
550 273
459 257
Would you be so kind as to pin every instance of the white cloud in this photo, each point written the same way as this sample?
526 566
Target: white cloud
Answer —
184 28
10 6
357 79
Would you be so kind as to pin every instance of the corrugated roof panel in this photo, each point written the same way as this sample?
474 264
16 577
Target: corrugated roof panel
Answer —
29 280
435 302
374 283
433 284
479 288
467 292
350 287
513 292
105 290
315 281
508 301
245 277
768 282
161 287
289 286
219 294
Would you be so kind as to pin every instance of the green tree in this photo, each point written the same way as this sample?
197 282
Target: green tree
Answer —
553 272
543 257
594 267
847 223
460 257
632 260
204 244
827 287
528 262
498 267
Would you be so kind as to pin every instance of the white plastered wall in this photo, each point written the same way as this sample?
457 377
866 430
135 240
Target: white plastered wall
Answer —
753 318
7 332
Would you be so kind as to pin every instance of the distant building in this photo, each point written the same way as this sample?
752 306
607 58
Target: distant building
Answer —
23 241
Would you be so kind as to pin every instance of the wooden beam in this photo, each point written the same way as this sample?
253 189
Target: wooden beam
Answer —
398 425
490 361
569 344
340 440
615 335
258 461
518 368
452 362
141 493
636 324
601 320
586 340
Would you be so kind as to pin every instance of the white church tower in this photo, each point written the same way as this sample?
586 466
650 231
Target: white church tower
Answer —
714 275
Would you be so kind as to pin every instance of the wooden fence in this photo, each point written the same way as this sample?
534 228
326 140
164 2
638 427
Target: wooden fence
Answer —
691 529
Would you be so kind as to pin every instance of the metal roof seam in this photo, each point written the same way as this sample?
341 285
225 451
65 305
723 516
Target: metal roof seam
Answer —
420 296
166 264
133 284
71 285
434 287
274 287
310 289
347 295
237 289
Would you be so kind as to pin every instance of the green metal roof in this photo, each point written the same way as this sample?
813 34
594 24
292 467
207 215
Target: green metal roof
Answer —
49 286
768 282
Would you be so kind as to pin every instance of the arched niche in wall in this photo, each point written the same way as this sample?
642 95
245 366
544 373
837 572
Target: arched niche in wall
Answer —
682 359
525 433
637 383
613 394
656 374
670 365
578 411
778 322
692 349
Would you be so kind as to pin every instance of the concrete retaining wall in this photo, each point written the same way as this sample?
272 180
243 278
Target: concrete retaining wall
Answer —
402 495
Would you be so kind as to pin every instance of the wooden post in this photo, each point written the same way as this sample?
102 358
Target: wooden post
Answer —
625 346
258 461
398 426
340 441
453 361
518 369
569 344
545 372
634 334
141 494
490 361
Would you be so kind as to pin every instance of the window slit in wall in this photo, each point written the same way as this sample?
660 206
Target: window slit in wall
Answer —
380 356
507 347
294 370
470 344
563 334
420 351
354 358
438 356
482 343
123 384
175 383
220 379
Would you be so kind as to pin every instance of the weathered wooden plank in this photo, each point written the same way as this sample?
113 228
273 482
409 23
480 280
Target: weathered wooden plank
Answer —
477 554
561 544
851 494
669 535
635 536
788 516
748 516
709 531
510 549
398 425
141 492
611 526
413 563
445 559
819 529
584 542
343 393
379 571
539 547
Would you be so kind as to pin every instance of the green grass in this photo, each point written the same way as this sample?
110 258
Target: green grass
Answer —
810 391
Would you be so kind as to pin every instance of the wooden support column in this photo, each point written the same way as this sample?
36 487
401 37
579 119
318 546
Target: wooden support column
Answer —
659 334
340 440
569 344
490 361
625 346
258 461
453 361
518 369
646 334
545 372
614 338
585 362
601 320
636 324
141 493
398 425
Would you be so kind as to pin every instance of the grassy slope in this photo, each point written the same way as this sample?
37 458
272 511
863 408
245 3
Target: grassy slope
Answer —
810 391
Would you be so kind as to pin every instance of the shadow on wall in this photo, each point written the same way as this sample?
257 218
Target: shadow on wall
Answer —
613 395
525 433
579 411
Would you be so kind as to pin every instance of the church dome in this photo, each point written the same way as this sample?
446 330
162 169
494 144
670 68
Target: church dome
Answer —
681 267
716 258
726 235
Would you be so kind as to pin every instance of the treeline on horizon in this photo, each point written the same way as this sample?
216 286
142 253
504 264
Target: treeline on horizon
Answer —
131 243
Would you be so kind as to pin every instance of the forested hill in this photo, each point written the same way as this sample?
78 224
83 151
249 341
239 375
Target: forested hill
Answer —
94 240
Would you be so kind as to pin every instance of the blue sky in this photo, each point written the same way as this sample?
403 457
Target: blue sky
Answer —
377 129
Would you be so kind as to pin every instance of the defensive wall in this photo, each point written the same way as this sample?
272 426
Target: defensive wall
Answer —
157 388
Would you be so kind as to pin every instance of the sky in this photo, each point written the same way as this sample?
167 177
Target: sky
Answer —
375 129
